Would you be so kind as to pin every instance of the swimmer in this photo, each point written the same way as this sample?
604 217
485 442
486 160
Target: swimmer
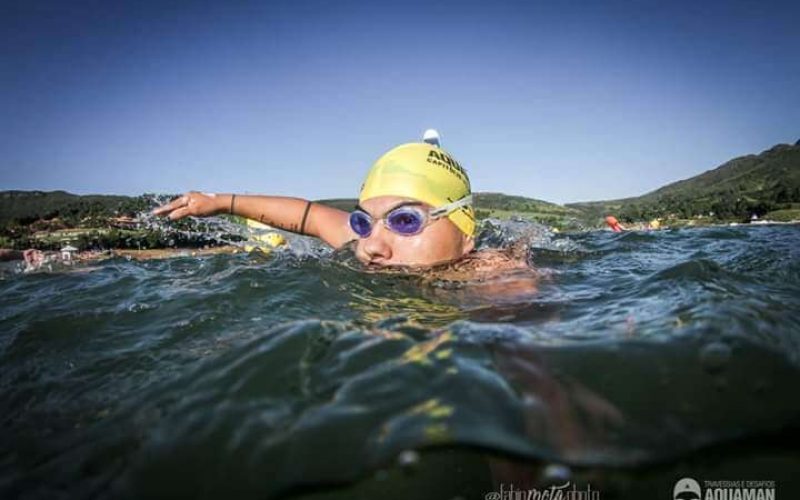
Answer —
614 224
37 259
32 257
414 210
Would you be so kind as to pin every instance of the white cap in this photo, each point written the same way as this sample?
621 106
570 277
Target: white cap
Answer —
431 136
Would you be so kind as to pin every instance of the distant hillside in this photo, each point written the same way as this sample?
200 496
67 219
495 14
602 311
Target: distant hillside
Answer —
503 206
24 207
346 204
48 220
500 201
752 184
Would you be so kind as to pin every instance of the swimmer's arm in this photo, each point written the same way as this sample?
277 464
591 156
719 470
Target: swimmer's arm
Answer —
326 223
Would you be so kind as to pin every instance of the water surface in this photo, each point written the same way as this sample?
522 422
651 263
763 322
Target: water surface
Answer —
643 357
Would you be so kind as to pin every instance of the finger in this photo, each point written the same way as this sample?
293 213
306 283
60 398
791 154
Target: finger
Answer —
164 208
176 203
179 213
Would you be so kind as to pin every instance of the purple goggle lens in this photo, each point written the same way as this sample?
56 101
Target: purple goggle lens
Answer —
361 223
406 221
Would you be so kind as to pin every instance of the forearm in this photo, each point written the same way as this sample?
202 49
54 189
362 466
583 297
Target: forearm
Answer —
292 214
276 211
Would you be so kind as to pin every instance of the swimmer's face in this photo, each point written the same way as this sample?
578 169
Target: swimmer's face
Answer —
440 241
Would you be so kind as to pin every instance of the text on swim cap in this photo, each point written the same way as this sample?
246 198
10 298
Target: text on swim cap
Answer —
443 160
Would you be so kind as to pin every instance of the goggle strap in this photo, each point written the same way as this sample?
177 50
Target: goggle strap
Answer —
451 207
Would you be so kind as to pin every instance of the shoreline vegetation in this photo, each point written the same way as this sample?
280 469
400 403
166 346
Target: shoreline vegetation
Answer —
754 188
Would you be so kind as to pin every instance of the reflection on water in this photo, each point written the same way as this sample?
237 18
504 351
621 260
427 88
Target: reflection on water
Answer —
636 358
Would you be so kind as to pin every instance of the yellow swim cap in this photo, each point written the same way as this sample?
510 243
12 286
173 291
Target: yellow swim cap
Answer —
425 173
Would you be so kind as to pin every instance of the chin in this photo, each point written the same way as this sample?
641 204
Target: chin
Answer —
432 262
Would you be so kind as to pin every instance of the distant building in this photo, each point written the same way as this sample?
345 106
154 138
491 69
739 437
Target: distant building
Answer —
68 252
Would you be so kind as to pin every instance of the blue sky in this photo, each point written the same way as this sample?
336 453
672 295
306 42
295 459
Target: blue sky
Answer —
562 101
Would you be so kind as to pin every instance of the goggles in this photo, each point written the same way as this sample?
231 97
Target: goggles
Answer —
405 220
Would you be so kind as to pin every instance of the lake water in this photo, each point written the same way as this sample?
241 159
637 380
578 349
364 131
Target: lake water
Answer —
643 358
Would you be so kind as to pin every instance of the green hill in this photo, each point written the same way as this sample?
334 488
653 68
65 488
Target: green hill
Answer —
47 220
24 207
346 204
752 184
503 206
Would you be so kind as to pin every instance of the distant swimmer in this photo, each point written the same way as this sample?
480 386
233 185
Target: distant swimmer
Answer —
32 257
414 209
36 259
614 224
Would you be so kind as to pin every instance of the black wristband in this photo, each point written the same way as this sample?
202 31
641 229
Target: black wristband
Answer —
305 216
233 197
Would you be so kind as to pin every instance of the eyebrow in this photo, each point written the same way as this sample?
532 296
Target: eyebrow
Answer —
401 204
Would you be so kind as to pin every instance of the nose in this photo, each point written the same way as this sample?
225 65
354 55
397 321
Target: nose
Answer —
376 246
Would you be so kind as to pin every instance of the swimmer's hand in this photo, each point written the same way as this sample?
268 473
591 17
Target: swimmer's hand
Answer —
194 203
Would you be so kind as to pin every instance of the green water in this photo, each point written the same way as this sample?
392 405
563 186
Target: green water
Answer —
643 358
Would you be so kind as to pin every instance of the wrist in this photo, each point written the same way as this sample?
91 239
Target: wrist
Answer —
231 209
223 203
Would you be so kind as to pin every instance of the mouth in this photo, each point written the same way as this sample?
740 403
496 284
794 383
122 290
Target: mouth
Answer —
387 268
374 265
